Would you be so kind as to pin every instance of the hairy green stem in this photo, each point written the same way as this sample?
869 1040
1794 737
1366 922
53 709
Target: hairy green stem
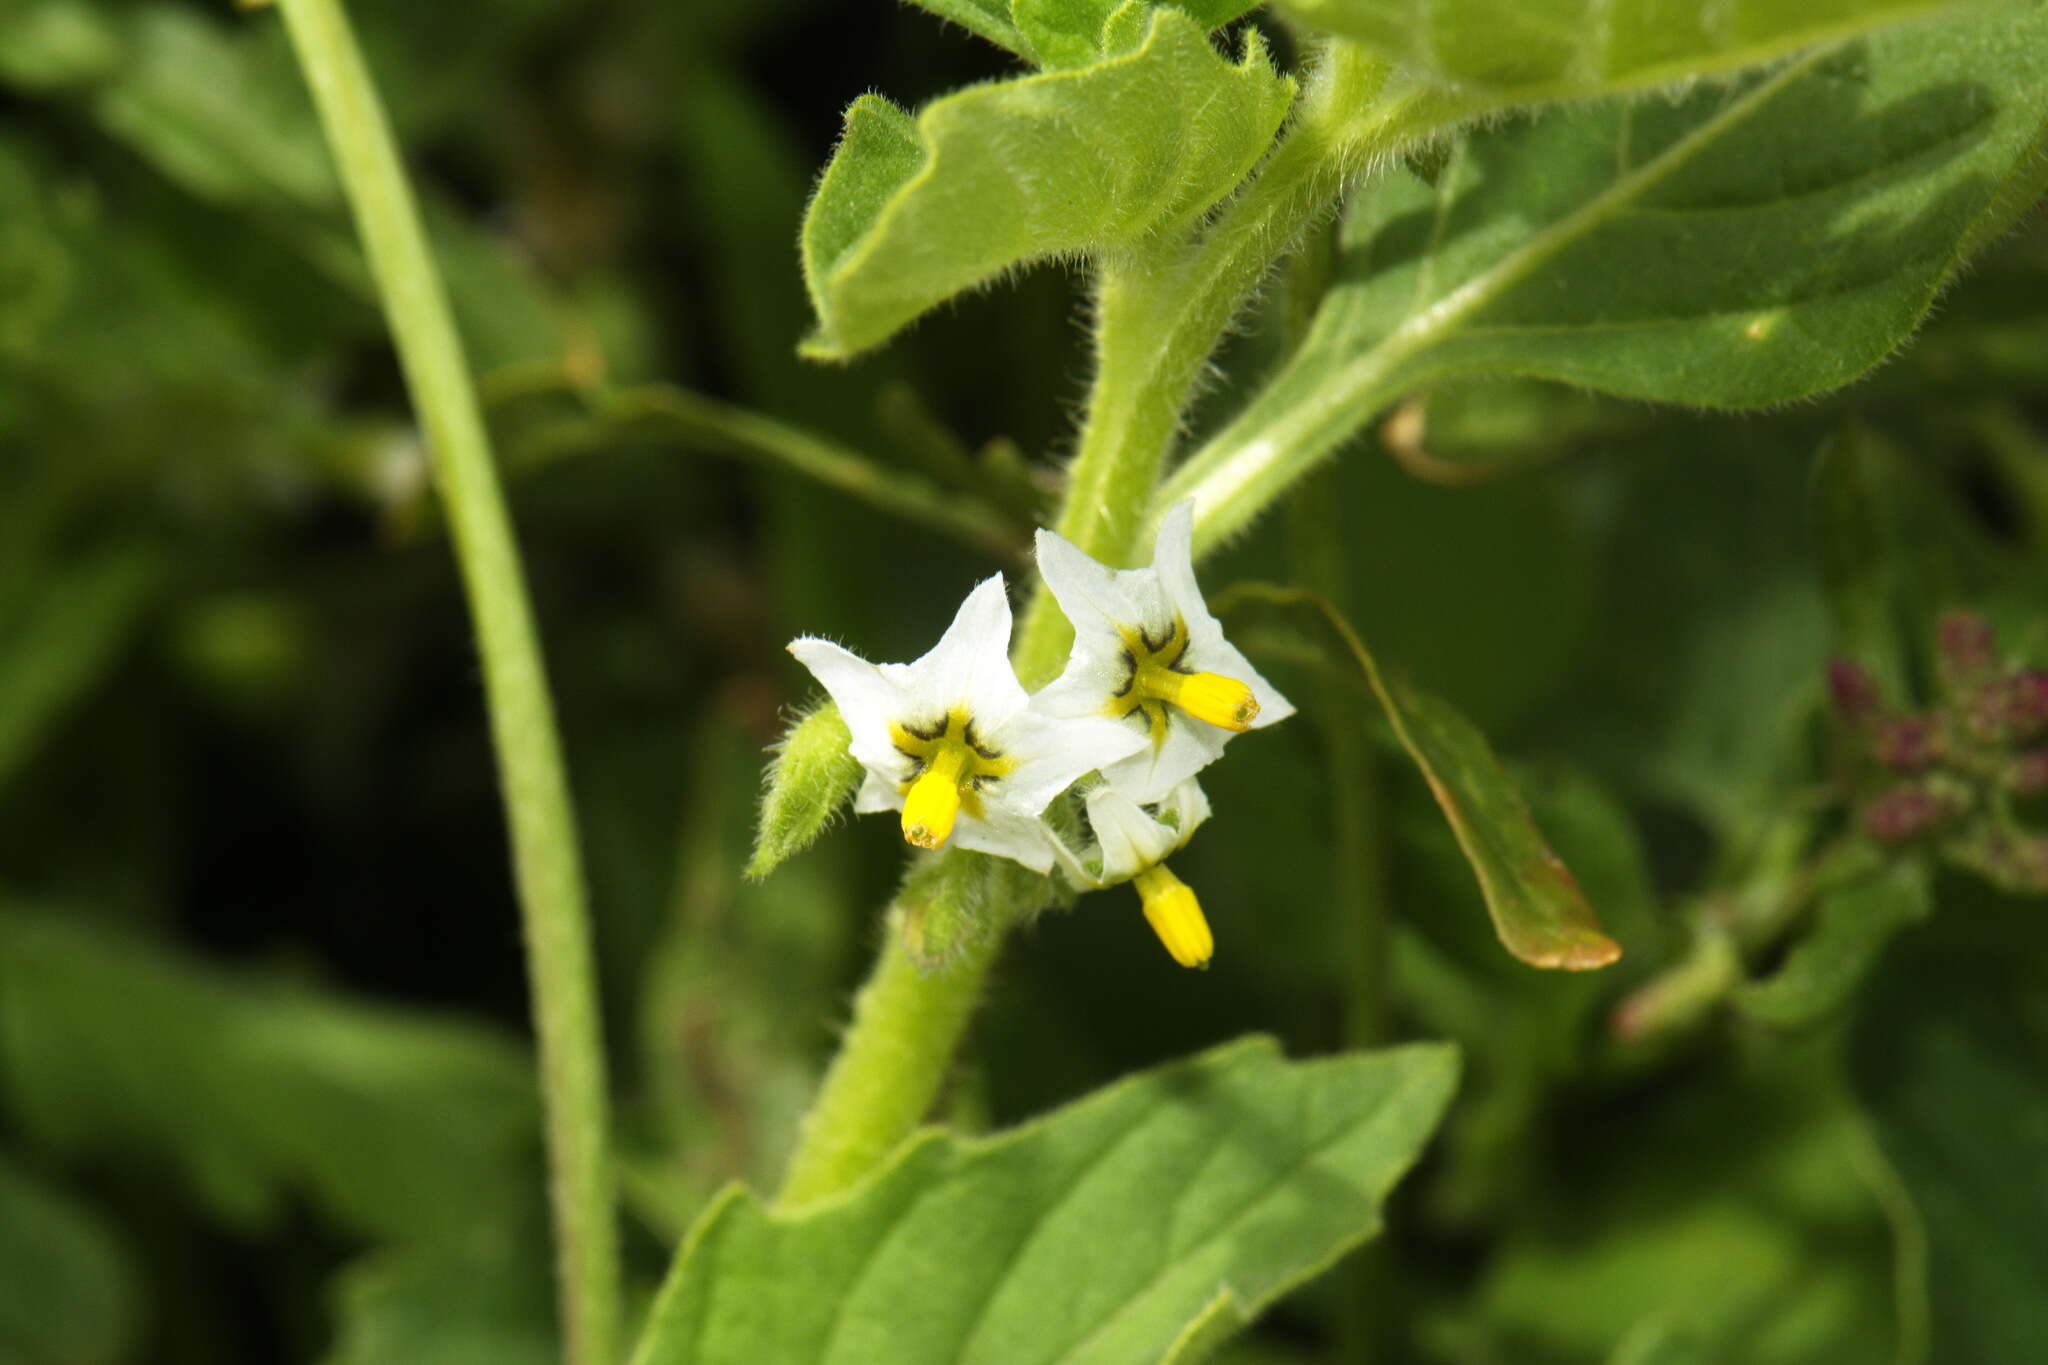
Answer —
535 791
894 1057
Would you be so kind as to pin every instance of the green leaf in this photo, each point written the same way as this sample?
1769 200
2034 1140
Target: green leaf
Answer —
66 1292
1178 1202
1061 33
912 211
1726 1214
1538 910
397 1125
486 1303
1547 49
59 638
1856 923
53 44
1948 1060
989 19
1748 244
812 778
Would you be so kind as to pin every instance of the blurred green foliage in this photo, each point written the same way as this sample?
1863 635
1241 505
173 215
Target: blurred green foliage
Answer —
263 1088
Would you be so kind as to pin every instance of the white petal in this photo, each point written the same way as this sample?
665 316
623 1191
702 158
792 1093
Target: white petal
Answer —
1007 835
1208 652
1087 686
1131 839
1151 774
1189 804
1173 560
1097 599
868 698
970 665
877 793
1052 752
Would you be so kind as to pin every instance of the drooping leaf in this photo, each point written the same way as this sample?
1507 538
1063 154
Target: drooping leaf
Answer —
1855 924
811 780
66 1293
913 210
1545 49
397 1125
1749 244
1538 910
1168 1208
1948 1061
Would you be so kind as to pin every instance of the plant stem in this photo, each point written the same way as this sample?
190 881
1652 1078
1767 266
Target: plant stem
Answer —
906 1024
535 791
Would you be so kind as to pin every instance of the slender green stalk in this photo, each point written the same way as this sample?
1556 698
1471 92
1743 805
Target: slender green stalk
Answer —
906 1025
543 834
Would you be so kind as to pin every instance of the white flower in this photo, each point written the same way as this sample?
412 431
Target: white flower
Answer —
953 741
1148 652
1133 838
1134 843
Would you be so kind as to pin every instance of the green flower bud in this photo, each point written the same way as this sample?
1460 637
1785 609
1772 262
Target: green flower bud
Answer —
812 777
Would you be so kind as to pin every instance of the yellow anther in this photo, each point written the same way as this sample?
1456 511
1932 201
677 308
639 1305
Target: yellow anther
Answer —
1176 916
933 801
1205 696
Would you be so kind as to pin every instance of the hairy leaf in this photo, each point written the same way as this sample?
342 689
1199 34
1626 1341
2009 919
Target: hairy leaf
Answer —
66 1293
1749 244
1172 1205
1542 49
812 778
912 211
397 1125
1856 923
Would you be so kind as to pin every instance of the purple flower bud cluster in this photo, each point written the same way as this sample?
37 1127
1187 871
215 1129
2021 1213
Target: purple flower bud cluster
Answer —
1947 772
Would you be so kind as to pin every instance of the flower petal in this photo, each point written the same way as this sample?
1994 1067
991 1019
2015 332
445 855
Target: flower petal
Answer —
970 665
1131 839
1007 835
1097 599
867 697
1051 753
877 793
1151 774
